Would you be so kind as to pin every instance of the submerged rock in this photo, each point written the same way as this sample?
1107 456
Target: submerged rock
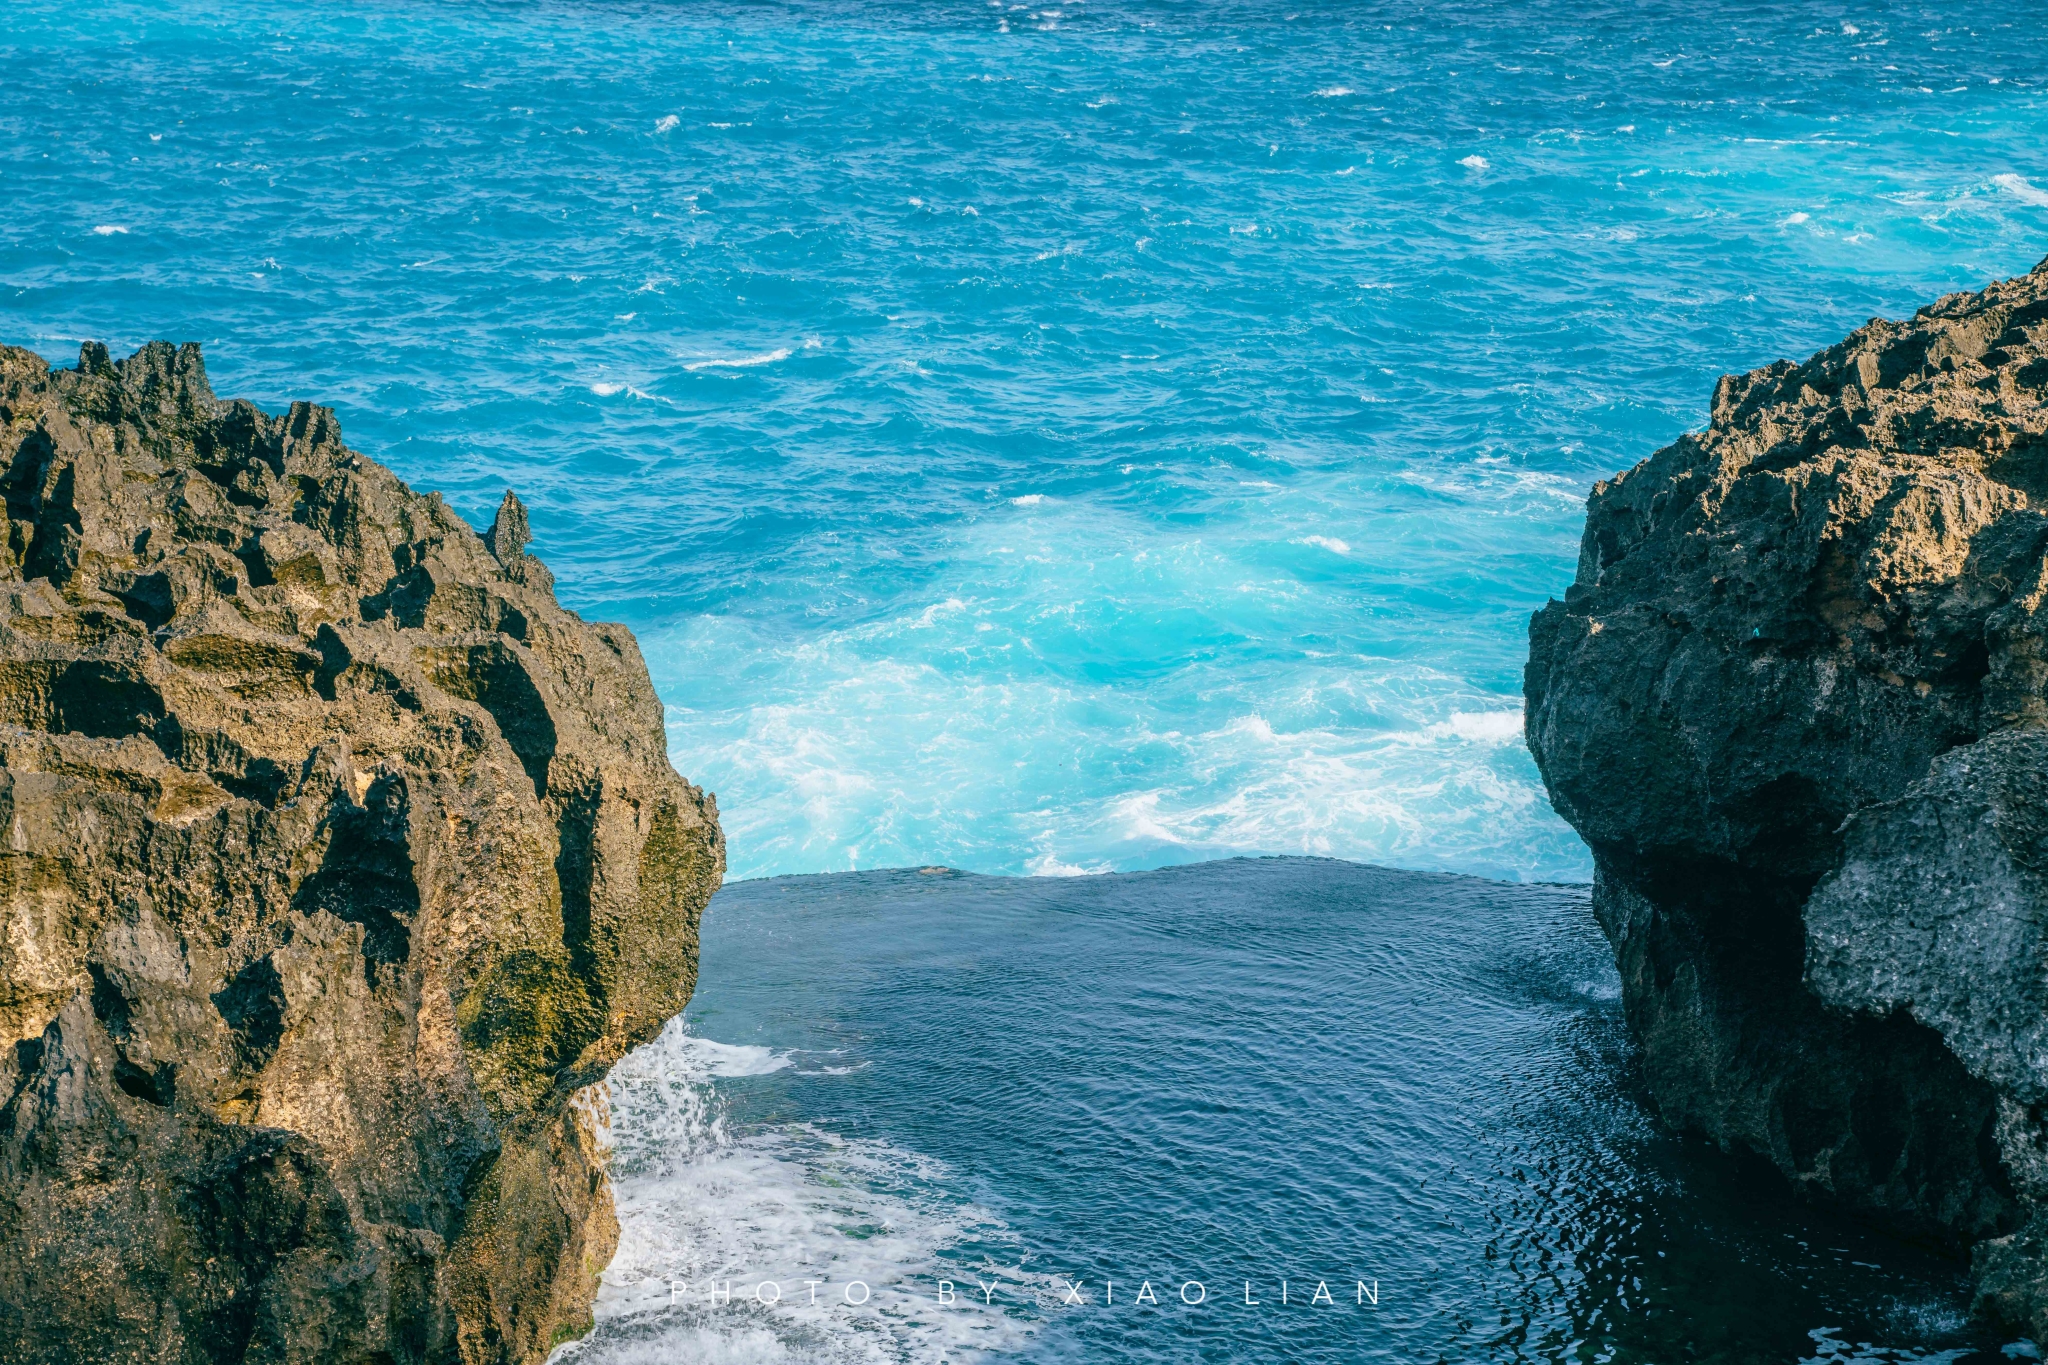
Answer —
1796 701
338 859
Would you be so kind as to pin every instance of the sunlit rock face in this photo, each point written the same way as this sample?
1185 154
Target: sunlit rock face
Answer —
1796 701
338 858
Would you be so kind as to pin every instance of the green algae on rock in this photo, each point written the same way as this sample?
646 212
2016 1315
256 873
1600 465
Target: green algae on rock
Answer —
1794 701
340 857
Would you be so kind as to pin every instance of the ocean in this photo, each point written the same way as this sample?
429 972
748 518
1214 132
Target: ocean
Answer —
1241 1083
1043 439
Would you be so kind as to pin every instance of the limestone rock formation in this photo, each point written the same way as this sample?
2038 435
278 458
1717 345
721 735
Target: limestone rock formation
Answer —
1796 701
338 858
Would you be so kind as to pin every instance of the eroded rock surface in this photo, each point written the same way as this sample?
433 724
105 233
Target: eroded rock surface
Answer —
338 858
1796 701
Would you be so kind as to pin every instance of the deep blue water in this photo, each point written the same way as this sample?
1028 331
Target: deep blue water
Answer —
1246 1071
1029 437
1066 438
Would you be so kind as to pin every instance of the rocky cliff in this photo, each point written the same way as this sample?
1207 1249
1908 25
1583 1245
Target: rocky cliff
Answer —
1796 701
338 858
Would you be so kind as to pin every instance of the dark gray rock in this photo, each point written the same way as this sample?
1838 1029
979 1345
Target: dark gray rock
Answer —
339 859
1794 703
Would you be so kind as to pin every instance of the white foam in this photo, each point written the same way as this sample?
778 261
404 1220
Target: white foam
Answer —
1330 543
1478 727
1049 865
667 124
1258 727
1849 30
919 736
1322 792
701 1205
607 388
929 617
1797 218
1475 162
1334 92
729 1059
1028 500
740 362
2017 186
1498 488
110 230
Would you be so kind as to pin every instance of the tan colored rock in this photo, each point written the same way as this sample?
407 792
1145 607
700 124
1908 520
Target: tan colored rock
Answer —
338 857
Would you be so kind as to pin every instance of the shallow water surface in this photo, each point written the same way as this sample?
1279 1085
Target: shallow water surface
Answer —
1235 1072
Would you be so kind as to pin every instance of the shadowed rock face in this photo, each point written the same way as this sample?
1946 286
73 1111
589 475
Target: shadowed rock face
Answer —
1797 703
338 857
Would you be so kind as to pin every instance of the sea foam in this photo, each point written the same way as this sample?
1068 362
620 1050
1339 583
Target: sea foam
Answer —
705 1208
740 362
2020 188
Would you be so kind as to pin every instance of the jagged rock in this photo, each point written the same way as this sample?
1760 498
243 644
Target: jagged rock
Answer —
338 858
1796 701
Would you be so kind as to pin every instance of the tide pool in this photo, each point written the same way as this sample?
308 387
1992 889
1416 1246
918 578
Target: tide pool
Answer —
1029 438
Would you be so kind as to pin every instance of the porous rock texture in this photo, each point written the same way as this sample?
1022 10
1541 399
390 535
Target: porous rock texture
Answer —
1796 701
338 858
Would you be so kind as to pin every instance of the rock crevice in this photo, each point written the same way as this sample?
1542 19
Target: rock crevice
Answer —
1796 702
338 857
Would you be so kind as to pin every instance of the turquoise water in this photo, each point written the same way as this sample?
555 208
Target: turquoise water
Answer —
1068 438
1029 438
